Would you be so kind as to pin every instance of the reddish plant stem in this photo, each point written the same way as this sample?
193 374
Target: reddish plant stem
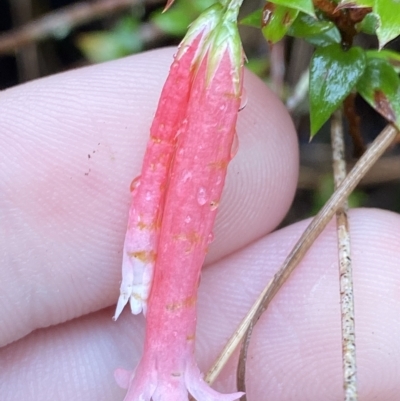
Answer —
345 19
354 121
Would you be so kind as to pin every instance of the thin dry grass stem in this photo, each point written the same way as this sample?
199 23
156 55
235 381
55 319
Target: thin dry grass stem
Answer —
233 342
299 93
381 143
345 266
60 22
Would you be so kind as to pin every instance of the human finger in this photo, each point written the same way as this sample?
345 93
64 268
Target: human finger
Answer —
295 351
71 144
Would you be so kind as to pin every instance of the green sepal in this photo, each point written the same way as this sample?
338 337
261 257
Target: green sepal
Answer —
333 74
206 22
225 37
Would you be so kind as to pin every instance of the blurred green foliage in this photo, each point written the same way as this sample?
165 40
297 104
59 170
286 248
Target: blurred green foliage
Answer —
126 37
176 21
325 190
123 39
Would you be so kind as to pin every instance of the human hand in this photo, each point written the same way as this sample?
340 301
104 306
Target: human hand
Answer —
71 145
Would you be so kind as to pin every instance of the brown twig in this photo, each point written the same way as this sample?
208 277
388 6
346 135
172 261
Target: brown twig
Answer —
345 266
27 59
60 22
381 143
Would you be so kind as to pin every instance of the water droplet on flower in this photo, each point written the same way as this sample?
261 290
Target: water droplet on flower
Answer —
243 100
235 145
181 128
135 183
187 176
188 219
202 197
214 205
210 238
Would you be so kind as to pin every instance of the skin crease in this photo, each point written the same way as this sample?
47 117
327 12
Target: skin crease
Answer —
63 217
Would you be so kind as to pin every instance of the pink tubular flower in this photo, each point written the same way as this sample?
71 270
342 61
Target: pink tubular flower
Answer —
148 190
194 182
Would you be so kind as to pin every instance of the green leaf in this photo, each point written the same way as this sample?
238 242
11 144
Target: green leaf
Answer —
389 55
355 3
306 6
389 14
369 24
317 32
279 20
380 87
333 74
253 19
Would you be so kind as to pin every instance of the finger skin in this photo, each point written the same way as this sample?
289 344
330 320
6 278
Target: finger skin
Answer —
71 145
295 349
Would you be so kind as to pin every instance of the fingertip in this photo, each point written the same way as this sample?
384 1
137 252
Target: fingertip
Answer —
295 351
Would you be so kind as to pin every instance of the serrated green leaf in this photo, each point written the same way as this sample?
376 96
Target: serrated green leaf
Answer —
333 74
253 19
317 32
380 87
306 6
389 15
279 20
